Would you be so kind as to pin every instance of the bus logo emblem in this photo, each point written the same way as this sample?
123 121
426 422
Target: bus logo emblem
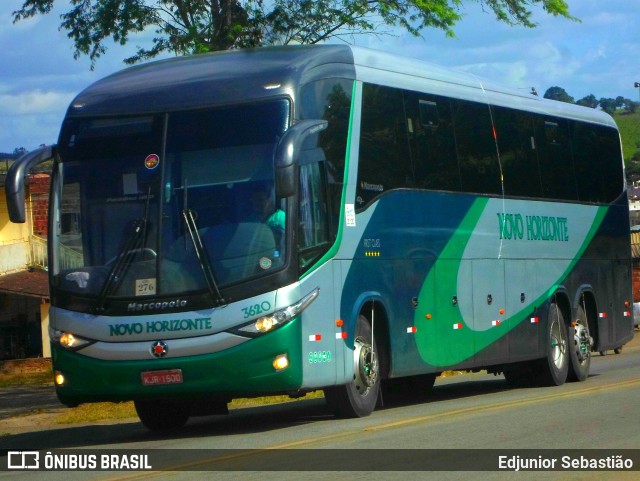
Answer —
159 349
152 161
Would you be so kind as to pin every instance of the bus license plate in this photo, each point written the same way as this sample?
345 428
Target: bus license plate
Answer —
154 378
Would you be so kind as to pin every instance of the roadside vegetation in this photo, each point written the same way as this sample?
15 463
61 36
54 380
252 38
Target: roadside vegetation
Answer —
9 378
629 125
87 413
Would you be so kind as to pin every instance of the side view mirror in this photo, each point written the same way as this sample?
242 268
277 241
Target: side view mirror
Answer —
288 151
14 184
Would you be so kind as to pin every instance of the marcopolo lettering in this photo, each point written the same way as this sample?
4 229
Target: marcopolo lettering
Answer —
156 306
533 227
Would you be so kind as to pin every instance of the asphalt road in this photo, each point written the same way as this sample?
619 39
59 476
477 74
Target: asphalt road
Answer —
463 414
22 400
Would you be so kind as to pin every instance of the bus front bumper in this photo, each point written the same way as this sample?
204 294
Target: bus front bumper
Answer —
241 371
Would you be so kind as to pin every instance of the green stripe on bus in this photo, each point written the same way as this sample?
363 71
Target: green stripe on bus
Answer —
450 340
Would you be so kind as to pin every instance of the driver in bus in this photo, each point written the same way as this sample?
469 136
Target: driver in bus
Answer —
264 210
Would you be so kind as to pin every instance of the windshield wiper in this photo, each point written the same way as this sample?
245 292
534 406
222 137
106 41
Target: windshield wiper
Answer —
203 256
121 263
201 251
135 243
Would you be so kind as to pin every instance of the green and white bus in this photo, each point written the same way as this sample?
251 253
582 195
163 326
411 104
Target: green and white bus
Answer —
413 220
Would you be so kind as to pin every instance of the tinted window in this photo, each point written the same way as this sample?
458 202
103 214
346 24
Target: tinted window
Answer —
330 100
385 161
417 140
597 159
433 145
556 160
313 227
518 157
477 154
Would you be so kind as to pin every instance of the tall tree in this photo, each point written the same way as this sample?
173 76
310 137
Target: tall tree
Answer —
194 26
588 101
608 105
558 93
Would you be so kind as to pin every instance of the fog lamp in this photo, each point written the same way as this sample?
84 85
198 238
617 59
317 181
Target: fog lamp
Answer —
281 362
59 379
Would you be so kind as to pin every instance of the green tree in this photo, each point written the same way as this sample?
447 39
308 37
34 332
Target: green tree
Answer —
608 105
560 94
588 101
195 26
628 106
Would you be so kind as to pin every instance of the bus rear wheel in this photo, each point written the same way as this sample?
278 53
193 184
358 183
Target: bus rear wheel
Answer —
358 398
554 368
161 415
579 347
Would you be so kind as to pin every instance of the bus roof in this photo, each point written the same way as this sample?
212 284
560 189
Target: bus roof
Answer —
244 75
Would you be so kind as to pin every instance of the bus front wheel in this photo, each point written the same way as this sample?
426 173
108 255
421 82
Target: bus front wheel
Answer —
358 398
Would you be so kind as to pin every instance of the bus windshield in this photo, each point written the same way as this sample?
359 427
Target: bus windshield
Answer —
168 204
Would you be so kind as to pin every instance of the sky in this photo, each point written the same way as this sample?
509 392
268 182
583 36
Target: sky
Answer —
599 55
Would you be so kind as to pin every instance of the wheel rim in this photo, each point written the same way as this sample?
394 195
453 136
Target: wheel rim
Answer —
581 343
558 345
366 366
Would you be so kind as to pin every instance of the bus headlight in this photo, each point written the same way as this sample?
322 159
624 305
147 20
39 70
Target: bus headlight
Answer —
68 340
279 318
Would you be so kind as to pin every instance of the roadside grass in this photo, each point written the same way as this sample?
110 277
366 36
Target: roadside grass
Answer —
86 413
9 379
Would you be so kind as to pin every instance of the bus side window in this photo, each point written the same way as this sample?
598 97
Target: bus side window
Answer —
518 155
477 156
432 142
429 117
385 161
556 159
596 149
313 215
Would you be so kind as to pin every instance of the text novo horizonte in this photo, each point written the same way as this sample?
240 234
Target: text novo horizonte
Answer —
533 227
172 325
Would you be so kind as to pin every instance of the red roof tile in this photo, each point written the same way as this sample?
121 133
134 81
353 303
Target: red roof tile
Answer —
34 284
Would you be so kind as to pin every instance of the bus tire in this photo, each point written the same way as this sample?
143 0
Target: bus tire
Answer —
579 347
358 398
161 415
554 367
